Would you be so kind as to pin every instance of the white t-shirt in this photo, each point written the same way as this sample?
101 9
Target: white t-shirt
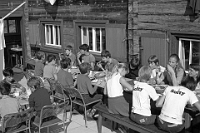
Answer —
114 88
142 93
161 70
175 101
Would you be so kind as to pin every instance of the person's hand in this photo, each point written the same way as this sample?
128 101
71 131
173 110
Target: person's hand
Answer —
78 55
170 69
99 65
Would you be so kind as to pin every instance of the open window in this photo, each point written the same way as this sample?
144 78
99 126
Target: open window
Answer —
189 51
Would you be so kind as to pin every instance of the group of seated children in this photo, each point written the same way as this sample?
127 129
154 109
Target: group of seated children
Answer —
172 75
8 104
173 100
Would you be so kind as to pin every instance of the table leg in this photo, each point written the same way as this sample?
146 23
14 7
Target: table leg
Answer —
99 123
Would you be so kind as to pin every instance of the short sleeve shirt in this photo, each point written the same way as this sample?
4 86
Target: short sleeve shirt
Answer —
39 67
73 59
8 105
65 78
49 71
109 66
89 58
142 93
161 70
39 98
176 98
85 85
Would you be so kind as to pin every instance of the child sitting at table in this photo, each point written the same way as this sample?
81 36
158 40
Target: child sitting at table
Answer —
173 102
8 75
109 62
84 85
142 93
133 68
69 54
39 65
157 70
50 69
115 87
64 77
39 96
84 49
8 105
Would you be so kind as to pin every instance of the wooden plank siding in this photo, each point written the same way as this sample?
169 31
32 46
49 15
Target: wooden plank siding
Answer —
161 17
154 44
90 12
34 33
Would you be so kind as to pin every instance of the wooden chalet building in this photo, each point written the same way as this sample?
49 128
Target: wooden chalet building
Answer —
124 27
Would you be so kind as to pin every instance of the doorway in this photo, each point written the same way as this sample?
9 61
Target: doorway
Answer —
12 34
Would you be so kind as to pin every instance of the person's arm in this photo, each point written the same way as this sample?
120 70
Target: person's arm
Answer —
176 80
197 105
55 73
70 81
91 89
159 78
78 58
31 102
160 101
125 84
92 65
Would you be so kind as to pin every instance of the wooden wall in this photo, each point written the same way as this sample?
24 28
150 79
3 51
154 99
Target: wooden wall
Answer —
114 11
159 16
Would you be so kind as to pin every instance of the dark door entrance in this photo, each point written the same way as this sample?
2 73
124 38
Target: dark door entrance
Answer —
12 33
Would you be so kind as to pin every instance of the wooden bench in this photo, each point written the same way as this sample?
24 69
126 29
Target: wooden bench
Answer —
125 121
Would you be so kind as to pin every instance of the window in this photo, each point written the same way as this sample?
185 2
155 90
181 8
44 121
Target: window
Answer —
95 37
52 34
189 52
10 26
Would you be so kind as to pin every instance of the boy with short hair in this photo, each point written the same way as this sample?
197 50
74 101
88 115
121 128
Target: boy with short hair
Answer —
39 96
110 62
173 102
50 69
39 65
83 81
8 75
8 105
133 68
142 93
64 77
84 49
70 55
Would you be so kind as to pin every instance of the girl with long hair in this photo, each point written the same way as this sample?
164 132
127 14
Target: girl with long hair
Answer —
115 87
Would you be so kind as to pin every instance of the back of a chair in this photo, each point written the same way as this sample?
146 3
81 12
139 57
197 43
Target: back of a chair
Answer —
50 112
51 83
16 120
74 94
59 90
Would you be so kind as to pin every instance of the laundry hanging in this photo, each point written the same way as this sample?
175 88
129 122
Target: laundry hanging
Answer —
2 46
195 5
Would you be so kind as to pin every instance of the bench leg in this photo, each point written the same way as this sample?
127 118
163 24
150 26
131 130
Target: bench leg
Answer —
99 123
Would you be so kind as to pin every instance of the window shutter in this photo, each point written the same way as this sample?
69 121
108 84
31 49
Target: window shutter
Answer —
154 44
115 41
173 44
33 33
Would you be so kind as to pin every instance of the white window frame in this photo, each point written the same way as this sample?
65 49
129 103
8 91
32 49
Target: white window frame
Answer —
55 27
190 53
86 41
